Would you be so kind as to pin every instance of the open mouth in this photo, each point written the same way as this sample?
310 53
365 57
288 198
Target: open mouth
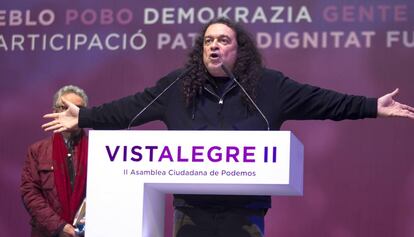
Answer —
214 56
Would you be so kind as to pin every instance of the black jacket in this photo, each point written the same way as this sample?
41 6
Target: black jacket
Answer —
279 98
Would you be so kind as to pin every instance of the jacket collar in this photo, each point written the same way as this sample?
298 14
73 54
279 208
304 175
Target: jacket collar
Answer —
212 86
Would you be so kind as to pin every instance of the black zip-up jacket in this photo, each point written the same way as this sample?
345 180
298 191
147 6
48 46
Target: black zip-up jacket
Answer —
278 97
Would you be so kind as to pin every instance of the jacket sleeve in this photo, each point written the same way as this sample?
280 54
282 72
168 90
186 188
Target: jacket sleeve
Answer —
33 188
119 113
302 102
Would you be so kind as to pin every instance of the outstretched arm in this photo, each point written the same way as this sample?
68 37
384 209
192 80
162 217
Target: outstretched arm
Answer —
388 107
63 121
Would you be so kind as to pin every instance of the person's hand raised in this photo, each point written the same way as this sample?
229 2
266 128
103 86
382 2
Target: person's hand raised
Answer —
63 121
388 107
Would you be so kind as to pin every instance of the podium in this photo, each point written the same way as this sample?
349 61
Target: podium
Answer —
129 173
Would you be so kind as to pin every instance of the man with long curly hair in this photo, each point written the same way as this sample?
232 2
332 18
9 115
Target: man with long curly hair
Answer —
206 98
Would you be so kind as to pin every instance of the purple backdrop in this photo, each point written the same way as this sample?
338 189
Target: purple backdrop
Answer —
359 175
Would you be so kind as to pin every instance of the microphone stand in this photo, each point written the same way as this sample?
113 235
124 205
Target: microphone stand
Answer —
231 75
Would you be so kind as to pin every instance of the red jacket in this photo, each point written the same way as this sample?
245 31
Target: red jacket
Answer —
38 190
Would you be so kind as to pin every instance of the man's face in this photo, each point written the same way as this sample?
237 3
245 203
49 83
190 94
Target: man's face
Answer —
60 107
71 97
220 47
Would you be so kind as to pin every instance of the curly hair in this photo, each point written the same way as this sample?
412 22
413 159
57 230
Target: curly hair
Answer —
69 89
247 67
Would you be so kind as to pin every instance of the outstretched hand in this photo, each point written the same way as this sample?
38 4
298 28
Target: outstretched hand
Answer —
388 107
63 121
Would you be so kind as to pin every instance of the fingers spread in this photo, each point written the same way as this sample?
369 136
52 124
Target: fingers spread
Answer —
53 115
54 127
409 108
49 124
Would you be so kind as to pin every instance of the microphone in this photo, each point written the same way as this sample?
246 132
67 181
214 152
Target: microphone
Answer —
186 71
231 75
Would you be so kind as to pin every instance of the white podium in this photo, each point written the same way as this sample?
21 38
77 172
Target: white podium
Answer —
130 171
